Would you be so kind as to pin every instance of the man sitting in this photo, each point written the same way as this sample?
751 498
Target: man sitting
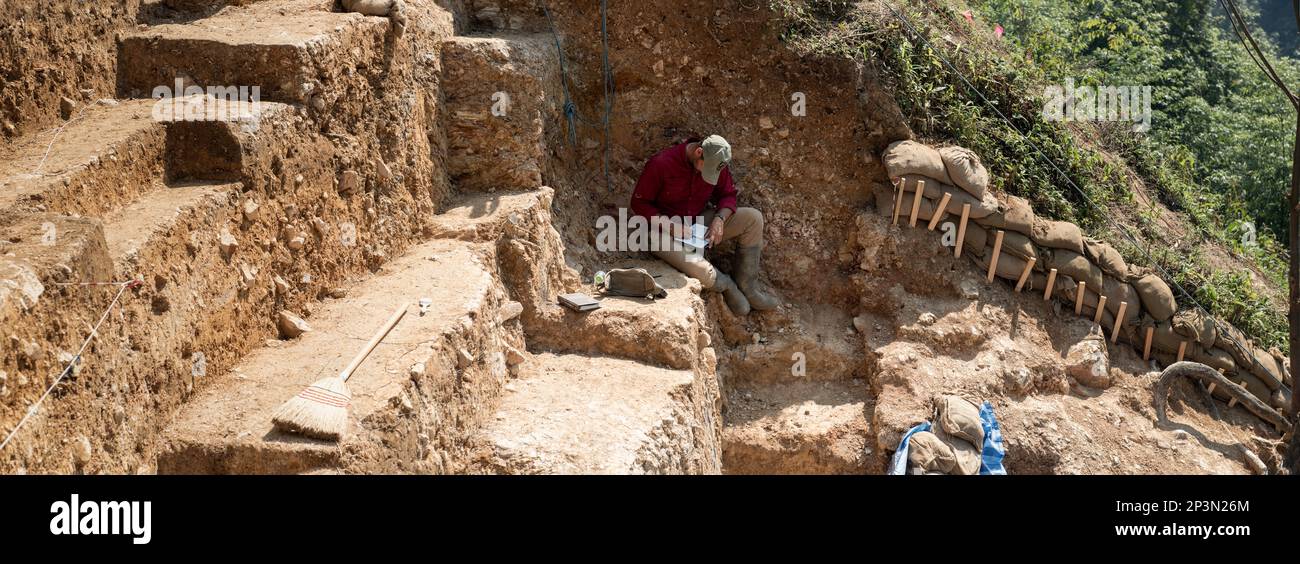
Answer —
691 180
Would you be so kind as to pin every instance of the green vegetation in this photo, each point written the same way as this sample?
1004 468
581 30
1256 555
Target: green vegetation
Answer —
1218 150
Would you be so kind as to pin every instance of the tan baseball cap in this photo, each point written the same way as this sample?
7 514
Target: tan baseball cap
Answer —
717 153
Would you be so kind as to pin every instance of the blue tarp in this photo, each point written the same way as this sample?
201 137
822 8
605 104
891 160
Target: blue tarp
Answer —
991 463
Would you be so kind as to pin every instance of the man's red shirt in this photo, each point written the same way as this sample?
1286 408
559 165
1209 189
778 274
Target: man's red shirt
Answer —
670 185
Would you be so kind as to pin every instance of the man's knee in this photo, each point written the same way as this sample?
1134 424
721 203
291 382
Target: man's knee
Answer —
700 269
750 221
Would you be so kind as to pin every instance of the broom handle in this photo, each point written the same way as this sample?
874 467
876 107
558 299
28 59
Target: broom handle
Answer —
374 342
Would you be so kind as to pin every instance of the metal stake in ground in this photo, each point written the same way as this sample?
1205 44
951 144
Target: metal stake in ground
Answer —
320 411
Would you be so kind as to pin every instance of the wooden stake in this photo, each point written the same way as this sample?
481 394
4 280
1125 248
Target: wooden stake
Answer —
1101 307
916 202
898 201
1146 348
1078 299
1232 402
938 213
997 250
1182 348
1051 283
1025 275
1119 321
961 229
1211 388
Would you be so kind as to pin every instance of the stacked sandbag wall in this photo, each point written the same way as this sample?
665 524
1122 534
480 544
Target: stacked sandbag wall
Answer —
1039 245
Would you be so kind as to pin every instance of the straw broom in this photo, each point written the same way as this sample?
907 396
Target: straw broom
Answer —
320 410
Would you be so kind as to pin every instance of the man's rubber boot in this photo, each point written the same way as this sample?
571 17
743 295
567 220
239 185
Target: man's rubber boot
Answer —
747 280
736 300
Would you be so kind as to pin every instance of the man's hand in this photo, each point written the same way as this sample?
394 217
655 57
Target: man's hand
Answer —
715 231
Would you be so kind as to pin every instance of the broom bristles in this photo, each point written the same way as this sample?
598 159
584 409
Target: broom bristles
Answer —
319 411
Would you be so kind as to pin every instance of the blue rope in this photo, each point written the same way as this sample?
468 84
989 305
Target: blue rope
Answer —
571 115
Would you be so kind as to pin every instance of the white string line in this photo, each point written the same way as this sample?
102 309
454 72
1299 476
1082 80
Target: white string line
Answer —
1068 180
32 410
57 131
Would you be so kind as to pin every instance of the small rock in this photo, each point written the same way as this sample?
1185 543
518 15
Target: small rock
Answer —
757 338
297 243
417 370
765 122
281 286
1087 361
970 289
291 326
67 106
250 210
860 323
318 225
463 358
81 451
119 414
228 243
349 182
926 318
511 310
514 356
384 172
1018 380
338 293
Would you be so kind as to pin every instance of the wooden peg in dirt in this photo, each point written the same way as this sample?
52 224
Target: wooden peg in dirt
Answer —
938 213
1078 298
1146 347
1182 348
1024 276
997 250
1051 283
961 229
916 203
1101 308
1119 321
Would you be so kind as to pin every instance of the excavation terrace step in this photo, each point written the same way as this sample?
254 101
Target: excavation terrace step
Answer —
668 331
577 414
38 251
100 157
289 49
400 420
116 151
799 428
151 219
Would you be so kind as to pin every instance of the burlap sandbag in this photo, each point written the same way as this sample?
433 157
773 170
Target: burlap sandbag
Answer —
1058 235
1156 296
961 418
927 453
1014 214
979 207
1010 267
976 239
965 170
1074 265
1266 368
910 157
1105 257
1118 292
1163 337
967 455
1018 245
1215 358
1195 327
